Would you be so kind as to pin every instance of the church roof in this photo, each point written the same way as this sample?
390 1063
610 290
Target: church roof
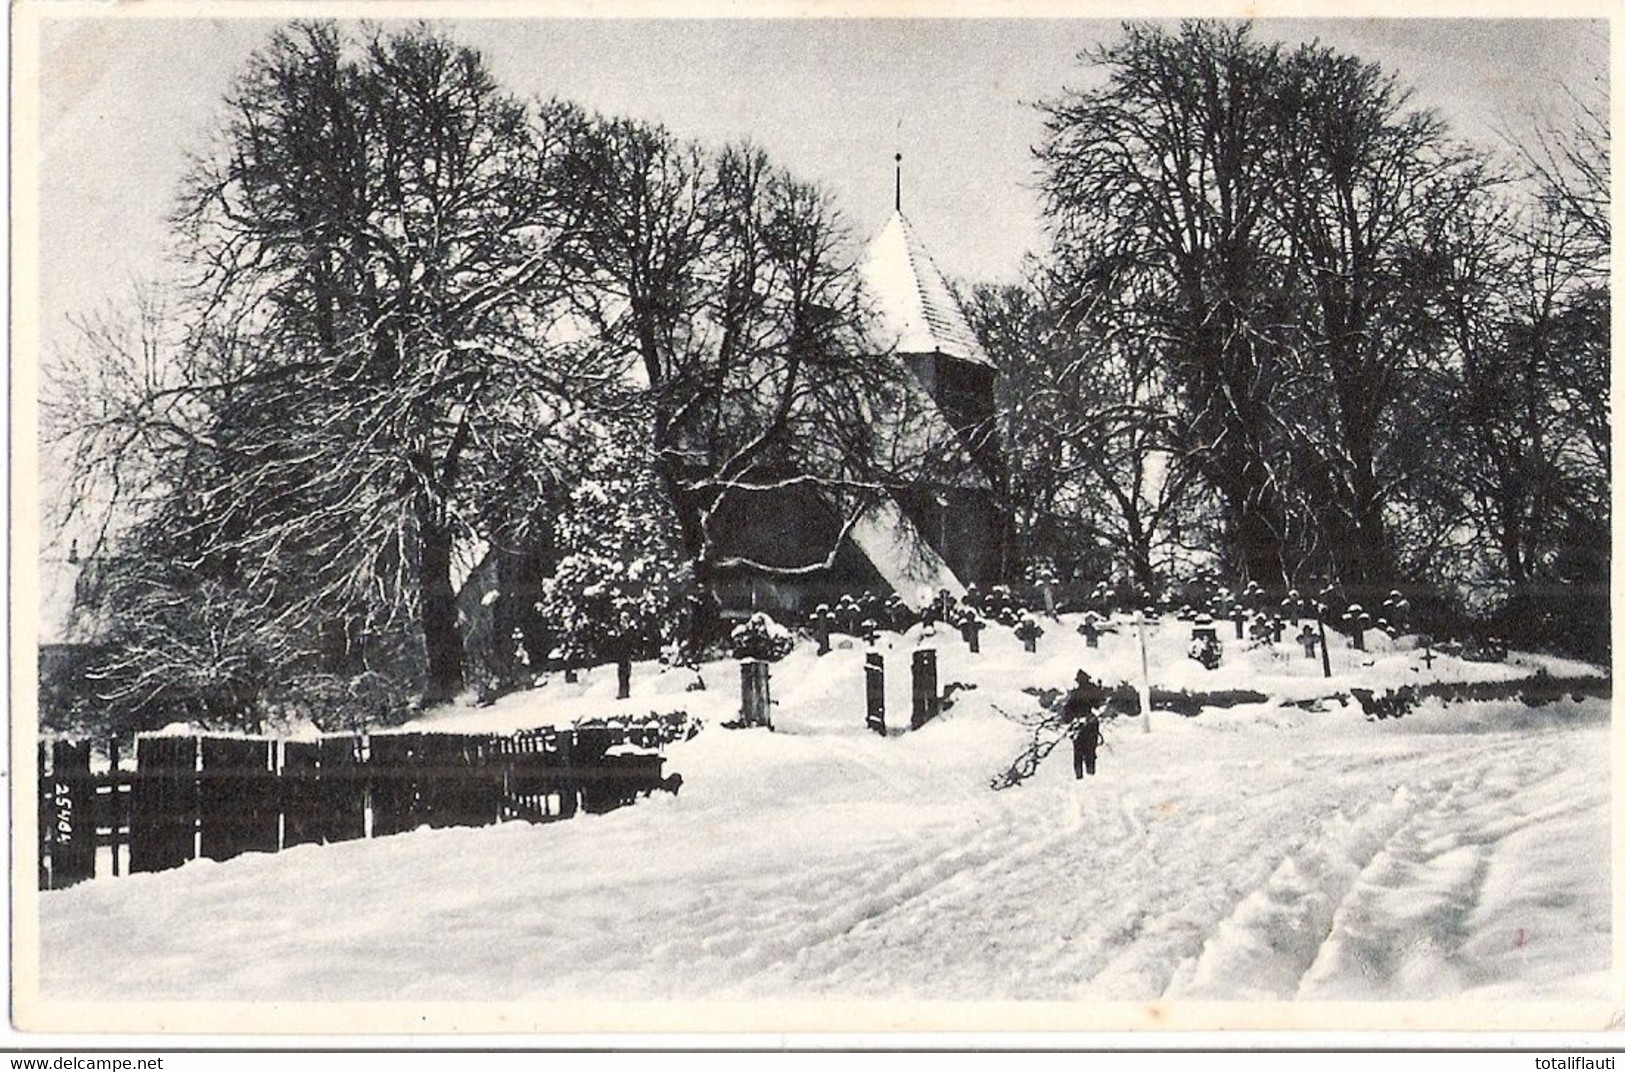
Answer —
901 555
916 312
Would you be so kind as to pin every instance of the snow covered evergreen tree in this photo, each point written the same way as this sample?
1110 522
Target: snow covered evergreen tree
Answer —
622 586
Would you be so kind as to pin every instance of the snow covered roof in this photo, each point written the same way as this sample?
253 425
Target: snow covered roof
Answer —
917 313
891 543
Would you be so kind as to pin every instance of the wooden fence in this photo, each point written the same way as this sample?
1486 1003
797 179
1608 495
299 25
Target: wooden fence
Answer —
217 797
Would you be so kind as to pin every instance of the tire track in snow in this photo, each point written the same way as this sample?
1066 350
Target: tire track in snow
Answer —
1279 933
1403 927
1272 936
936 880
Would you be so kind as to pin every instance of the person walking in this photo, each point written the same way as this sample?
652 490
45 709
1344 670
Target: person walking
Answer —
1085 745
1083 722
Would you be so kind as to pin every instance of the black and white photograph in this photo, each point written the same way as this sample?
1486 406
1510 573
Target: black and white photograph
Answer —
1060 520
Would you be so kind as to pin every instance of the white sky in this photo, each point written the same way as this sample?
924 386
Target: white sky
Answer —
124 101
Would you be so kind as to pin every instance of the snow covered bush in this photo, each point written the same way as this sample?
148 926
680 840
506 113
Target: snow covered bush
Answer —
1393 703
760 637
1207 650
1041 571
336 703
1001 605
621 586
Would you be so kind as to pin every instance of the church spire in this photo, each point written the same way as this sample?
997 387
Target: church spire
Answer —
898 201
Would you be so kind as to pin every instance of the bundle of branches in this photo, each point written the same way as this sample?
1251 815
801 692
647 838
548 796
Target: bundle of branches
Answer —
1050 726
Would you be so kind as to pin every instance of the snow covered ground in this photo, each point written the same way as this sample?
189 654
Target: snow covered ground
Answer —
1259 851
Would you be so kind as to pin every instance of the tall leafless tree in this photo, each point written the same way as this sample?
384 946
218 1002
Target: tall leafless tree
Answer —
1366 187
373 345
1162 171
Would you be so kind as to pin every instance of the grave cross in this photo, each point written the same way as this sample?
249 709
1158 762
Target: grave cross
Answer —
1309 641
1090 630
970 627
1028 632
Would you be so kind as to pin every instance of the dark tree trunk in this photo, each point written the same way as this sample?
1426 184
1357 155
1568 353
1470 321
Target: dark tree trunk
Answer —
1139 551
442 642
1145 574
706 615
1258 542
1363 561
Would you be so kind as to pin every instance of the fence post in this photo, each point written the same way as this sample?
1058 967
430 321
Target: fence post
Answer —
874 673
42 754
623 677
569 784
115 801
927 701
755 693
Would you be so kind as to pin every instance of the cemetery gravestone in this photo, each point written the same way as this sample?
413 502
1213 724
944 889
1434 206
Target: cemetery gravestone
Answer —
874 680
927 700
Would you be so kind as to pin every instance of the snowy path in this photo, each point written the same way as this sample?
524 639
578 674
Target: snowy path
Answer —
1252 854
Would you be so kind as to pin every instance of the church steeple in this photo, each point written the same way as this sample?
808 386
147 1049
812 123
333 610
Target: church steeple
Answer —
917 311
897 204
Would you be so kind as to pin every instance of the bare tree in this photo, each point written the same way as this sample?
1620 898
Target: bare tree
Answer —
1366 188
1566 153
372 348
1089 422
1162 172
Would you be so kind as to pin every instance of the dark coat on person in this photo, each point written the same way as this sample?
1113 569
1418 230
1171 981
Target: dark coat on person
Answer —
1082 701
1084 723
1085 744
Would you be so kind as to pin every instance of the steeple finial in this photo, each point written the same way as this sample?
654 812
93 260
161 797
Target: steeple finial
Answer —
898 203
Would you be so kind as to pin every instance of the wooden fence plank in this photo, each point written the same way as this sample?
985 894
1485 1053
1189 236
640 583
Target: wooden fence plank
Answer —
342 784
392 782
116 813
163 804
238 805
67 815
44 796
301 793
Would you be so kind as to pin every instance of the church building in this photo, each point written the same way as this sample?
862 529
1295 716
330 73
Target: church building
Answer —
943 534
